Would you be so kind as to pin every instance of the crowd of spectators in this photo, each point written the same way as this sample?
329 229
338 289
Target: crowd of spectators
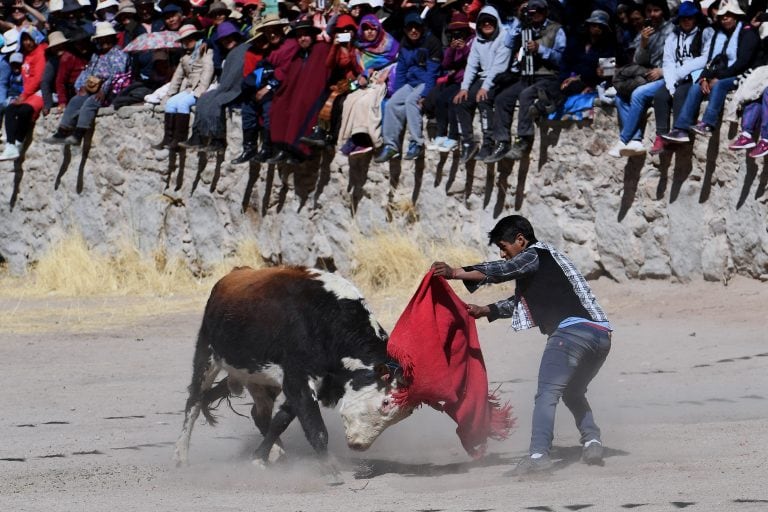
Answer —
359 75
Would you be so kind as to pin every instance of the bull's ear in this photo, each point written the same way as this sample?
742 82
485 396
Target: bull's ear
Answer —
383 372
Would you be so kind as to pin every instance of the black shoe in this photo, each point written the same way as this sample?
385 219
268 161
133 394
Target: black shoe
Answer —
194 142
318 138
499 151
277 158
57 138
529 466
75 138
485 151
415 150
468 152
592 454
216 146
249 152
520 148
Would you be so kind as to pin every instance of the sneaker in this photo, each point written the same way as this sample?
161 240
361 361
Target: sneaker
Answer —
702 129
616 150
633 148
744 141
11 152
468 152
659 146
485 150
499 152
57 138
415 150
529 465
519 149
448 145
347 148
760 150
677 135
360 150
386 154
592 453
434 144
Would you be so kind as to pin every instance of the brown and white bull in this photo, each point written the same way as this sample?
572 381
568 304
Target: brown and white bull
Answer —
303 332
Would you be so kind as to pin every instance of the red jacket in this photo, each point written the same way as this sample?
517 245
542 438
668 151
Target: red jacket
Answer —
70 67
32 70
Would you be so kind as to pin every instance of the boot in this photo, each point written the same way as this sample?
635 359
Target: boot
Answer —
59 137
76 138
168 123
266 147
180 130
194 142
250 140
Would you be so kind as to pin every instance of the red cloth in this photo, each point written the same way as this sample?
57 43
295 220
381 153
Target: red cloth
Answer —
435 341
70 67
32 69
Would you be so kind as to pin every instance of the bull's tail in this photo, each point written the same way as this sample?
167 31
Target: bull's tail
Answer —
205 368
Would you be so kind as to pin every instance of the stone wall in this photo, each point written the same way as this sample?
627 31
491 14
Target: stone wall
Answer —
701 214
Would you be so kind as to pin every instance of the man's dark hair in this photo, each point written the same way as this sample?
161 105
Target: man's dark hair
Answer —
509 227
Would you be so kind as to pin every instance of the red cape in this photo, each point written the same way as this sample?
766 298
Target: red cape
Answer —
435 341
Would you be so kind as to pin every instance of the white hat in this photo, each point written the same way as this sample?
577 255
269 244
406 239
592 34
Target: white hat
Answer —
11 41
103 29
103 4
731 6
187 31
705 4
373 3
16 58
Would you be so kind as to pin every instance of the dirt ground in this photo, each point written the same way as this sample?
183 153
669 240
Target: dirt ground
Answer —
92 394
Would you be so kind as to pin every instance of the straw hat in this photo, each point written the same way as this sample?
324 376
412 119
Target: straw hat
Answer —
103 29
126 7
272 20
56 38
188 30
103 4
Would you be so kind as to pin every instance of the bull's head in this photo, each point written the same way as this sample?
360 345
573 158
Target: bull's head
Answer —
369 407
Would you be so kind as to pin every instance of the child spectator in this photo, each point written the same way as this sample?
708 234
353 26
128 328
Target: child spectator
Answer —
417 68
755 117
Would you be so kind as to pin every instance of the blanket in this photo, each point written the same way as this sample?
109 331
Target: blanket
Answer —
435 341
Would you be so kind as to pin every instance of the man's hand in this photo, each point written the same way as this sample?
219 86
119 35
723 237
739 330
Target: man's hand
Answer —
654 74
568 81
533 46
461 96
645 35
704 85
482 95
476 311
261 93
100 96
441 268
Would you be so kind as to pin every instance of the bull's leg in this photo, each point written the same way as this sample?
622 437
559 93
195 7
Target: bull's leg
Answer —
261 412
277 426
202 381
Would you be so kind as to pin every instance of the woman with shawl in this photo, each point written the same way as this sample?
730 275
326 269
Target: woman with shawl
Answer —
375 52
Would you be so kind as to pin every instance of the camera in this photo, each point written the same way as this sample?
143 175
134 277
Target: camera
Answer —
343 37
647 22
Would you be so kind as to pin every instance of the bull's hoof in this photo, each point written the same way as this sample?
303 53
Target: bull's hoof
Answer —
333 479
258 463
180 459
275 453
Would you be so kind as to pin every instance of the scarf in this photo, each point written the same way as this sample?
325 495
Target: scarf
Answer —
376 54
435 341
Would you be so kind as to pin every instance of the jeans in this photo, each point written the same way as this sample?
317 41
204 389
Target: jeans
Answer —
180 103
402 106
662 103
80 112
255 114
632 113
571 359
693 101
756 115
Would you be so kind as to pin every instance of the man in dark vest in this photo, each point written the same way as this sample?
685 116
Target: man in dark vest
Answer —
538 91
553 295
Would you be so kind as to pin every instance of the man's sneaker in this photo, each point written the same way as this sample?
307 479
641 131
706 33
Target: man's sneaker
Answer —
616 150
415 150
11 151
360 150
760 150
703 128
347 148
519 149
468 152
434 144
659 146
633 148
592 453
448 145
386 154
529 465
744 141
500 150
57 138
677 135
485 150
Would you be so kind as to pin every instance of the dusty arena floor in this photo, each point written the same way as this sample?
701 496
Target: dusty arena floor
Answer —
92 393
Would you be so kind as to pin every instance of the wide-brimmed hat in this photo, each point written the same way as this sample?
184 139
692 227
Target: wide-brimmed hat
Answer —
599 17
103 29
459 21
36 36
219 7
104 4
731 6
304 24
272 20
126 7
56 38
11 38
187 31
70 6
537 5
227 29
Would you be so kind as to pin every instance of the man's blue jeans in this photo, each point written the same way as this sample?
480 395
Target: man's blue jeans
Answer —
632 113
571 359
690 110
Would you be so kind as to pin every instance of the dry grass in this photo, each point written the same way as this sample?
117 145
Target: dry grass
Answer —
76 288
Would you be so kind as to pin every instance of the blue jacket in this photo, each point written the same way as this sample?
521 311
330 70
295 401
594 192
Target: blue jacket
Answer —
419 63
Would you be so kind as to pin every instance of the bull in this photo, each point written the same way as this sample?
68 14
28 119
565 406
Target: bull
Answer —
303 333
